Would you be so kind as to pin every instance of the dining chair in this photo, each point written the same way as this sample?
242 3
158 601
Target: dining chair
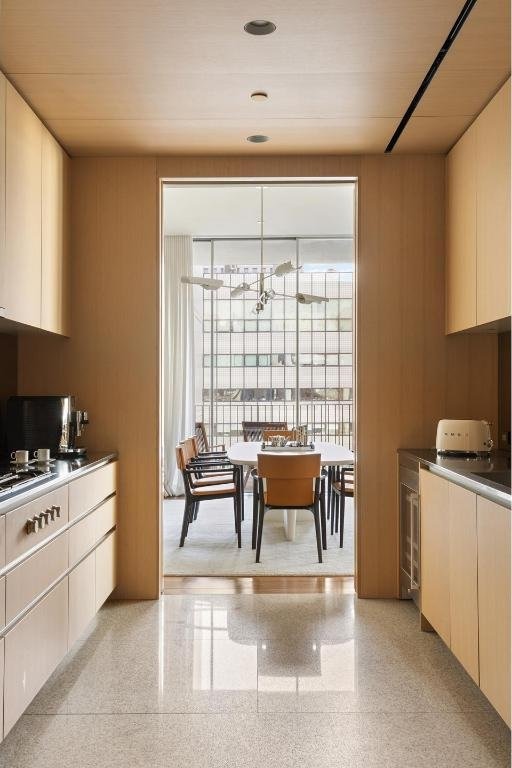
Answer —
197 490
202 440
291 482
253 430
199 464
342 487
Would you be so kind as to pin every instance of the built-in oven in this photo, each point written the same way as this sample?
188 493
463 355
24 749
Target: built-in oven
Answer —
409 502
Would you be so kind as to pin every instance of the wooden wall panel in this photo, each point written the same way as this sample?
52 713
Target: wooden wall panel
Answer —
409 374
111 360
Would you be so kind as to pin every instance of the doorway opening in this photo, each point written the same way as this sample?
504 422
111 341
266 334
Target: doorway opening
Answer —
272 343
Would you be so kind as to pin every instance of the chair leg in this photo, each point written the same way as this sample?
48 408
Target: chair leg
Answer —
316 515
333 506
241 481
261 515
329 491
338 503
323 521
238 513
195 510
342 519
255 504
185 523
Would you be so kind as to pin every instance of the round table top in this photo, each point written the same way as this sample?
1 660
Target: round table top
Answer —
330 453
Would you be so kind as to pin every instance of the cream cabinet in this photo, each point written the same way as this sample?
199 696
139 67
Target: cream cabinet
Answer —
461 234
462 565
435 573
82 597
478 220
3 87
493 208
20 269
494 603
105 569
33 648
54 237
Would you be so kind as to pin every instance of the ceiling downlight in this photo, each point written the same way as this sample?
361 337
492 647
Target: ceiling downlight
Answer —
260 27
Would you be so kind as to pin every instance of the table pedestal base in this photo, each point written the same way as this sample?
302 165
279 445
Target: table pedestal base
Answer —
290 522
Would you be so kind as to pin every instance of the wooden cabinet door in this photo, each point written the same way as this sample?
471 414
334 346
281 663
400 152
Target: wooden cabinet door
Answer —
105 569
33 648
435 552
461 234
463 578
54 237
2 656
493 524
493 208
82 597
20 270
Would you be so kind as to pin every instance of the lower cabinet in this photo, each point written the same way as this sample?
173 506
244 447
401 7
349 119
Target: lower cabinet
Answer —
494 603
33 648
465 581
82 597
435 549
105 569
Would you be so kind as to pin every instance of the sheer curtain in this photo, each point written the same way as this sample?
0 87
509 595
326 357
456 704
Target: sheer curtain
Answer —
178 356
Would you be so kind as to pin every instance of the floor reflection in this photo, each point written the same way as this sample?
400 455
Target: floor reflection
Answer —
230 652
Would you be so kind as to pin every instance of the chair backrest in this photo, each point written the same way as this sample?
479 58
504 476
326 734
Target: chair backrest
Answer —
270 433
289 480
253 430
181 461
201 437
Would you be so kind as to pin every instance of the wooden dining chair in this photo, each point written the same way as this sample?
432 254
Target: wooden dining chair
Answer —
268 434
291 482
202 440
253 430
342 487
198 490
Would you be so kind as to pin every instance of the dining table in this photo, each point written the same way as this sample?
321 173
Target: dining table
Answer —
245 454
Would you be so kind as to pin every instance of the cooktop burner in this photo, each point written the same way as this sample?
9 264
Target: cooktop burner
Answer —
14 478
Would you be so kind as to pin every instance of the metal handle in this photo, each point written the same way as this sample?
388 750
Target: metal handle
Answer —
55 510
32 525
42 520
47 515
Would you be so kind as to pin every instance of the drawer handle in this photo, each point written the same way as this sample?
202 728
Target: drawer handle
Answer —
56 511
42 520
32 525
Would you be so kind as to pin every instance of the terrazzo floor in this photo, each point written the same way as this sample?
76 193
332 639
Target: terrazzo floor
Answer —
210 548
280 681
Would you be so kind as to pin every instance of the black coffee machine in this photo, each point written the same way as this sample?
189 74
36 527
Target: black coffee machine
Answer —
45 421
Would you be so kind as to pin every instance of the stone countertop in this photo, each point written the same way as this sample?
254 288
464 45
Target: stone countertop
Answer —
63 471
461 470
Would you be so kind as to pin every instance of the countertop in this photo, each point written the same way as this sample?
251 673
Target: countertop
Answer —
63 471
461 470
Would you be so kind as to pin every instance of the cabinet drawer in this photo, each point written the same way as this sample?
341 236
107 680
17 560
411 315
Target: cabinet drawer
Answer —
105 517
2 605
2 541
34 575
2 651
33 648
105 569
18 540
82 538
82 600
88 491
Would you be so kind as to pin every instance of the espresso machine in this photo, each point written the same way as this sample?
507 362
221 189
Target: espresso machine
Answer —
46 421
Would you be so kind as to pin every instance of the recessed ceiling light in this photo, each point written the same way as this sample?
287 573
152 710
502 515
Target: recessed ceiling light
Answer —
258 138
259 27
259 96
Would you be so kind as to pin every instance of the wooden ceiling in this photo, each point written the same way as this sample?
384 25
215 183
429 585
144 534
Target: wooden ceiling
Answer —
175 76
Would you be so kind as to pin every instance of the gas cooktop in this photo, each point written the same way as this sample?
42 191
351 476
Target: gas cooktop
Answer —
14 478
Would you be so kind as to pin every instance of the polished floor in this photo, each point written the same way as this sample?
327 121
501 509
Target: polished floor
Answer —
210 548
277 680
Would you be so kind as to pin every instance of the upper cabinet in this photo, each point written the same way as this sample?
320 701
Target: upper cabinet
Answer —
478 220
34 220
55 237
20 269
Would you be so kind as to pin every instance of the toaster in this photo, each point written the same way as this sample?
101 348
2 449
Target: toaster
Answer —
463 436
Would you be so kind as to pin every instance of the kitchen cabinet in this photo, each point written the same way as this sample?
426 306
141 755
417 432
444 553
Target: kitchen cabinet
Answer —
82 597
478 220
494 603
20 268
33 648
54 236
461 234
91 489
105 569
462 563
493 208
435 574
3 88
